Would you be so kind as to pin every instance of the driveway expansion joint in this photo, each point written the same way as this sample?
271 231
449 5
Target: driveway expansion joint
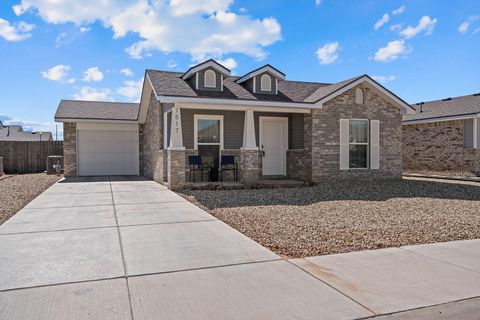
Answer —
121 252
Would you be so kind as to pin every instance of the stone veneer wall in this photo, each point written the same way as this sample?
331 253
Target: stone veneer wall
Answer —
176 169
70 149
438 146
153 154
326 136
249 167
140 149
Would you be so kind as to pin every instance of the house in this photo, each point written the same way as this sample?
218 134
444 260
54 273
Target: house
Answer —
443 135
274 127
16 133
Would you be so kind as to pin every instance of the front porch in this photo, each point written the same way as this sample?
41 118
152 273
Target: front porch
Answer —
262 145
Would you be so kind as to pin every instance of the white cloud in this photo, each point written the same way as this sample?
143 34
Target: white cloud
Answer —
91 94
188 7
400 10
92 74
391 51
384 79
328 53
229 63
131 89
12 32
318 2
56 73
384 19
84 29
476 31
62 39
171 64
126 72
463 28
203 28
425 25
396 27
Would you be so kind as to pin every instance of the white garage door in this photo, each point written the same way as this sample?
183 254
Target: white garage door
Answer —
107 152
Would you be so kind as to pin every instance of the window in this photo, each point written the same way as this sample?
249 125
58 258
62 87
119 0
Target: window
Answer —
359 96
210 79
208 135
358 144
266 83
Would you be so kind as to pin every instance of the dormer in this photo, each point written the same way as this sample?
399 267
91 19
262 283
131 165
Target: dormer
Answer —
263 80
208 75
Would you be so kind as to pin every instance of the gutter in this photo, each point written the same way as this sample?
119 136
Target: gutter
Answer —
443 118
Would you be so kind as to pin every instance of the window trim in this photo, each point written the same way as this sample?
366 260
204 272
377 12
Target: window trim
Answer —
359 144
205 84
262 84
197 117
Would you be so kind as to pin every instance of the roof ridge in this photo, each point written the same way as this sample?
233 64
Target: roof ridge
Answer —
449 98
95 101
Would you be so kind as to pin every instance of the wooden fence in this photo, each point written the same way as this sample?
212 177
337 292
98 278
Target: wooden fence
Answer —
28 156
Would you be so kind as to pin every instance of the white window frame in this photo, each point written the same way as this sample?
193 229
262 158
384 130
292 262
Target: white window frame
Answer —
263 84
205 83
197 117
359 144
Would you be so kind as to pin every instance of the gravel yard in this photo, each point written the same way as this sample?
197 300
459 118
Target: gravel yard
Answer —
18 190
349 216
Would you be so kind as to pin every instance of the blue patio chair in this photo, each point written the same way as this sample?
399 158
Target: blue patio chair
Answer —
227 163
195 164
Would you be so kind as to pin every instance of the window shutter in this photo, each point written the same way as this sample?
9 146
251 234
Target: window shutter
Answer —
374 144
344 137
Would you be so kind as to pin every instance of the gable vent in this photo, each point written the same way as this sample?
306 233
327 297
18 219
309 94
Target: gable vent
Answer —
447 99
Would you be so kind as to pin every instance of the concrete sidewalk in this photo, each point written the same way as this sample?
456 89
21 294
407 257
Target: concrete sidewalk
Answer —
126 248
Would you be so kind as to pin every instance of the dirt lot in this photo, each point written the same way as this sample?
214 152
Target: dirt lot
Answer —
349 216
18 190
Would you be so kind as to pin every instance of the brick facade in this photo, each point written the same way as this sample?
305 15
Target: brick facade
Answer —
438 146
70 149
249 167
153 154
176 169
326 135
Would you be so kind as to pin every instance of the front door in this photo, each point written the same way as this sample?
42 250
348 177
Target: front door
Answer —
274 144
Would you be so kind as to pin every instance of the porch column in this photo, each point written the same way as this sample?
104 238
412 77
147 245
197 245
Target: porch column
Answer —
176 138
249 142
176 153
250 161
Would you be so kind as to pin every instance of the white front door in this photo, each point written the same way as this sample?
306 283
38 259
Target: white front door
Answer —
274 144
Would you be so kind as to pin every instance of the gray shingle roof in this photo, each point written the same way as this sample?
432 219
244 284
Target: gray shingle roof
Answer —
76 109
16 133
168 83
457 106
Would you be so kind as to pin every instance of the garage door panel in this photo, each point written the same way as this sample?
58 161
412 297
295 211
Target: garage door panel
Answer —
103 152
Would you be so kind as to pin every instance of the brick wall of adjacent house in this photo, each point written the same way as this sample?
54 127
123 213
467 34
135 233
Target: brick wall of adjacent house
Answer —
70 149
326 135
153 154
438 146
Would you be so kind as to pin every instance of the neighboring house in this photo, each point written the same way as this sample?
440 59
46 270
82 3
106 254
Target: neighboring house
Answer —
443 135
16 133
274 127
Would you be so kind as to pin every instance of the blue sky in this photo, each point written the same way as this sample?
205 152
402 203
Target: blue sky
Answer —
420 49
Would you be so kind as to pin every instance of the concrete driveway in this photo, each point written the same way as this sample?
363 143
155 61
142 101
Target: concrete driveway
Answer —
126 248
129 248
